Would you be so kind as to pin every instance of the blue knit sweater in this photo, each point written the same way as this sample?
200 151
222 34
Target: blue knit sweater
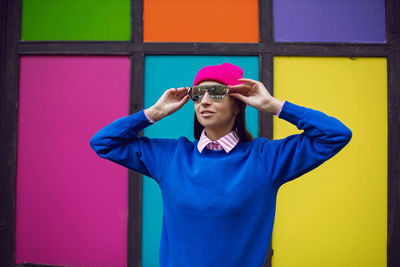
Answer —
219 207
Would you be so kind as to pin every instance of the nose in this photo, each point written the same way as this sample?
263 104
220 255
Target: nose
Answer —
206 99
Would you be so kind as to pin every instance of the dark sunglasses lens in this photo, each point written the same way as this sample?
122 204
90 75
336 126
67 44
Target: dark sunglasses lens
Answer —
196 93
216 92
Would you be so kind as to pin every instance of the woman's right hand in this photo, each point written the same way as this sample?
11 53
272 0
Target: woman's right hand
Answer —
170 101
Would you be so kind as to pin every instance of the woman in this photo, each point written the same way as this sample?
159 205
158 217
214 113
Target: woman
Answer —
219 192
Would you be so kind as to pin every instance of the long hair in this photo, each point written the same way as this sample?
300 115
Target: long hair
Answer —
239 126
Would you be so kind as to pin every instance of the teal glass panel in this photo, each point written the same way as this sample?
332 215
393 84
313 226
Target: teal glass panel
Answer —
162 73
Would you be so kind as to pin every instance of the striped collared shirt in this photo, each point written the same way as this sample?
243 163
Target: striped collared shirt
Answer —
227 142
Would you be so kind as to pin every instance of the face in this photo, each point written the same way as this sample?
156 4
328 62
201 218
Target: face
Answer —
219 114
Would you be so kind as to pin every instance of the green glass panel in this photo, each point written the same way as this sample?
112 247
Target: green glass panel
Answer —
75 20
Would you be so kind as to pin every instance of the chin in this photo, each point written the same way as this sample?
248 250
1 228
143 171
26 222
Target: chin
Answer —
210 125
206 124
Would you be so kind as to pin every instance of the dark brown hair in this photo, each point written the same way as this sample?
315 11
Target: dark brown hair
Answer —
239 125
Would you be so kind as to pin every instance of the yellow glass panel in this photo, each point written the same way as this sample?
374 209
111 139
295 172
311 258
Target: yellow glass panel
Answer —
335 215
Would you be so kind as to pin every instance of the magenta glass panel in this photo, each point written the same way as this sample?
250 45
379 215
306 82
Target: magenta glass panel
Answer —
71 204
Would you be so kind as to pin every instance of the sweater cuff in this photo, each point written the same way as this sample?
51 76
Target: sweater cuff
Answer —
292 113
138 120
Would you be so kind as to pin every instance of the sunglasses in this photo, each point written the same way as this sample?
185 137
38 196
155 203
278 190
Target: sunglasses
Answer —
215 92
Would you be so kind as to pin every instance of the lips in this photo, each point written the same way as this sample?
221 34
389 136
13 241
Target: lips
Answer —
206 113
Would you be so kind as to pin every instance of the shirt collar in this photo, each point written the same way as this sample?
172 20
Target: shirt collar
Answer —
227 142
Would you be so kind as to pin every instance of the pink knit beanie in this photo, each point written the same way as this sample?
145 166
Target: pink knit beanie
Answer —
225 73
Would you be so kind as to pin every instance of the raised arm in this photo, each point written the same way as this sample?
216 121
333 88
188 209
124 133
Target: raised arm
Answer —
323 137
119 141
288 158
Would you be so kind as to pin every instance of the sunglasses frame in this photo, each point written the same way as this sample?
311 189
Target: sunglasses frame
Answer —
211 96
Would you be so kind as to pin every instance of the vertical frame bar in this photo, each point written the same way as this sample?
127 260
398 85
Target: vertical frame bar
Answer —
393 234
137 21
393 37
266 77
265 121
3 8
8 135
135 180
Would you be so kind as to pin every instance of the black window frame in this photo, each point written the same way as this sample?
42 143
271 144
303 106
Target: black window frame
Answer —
11 48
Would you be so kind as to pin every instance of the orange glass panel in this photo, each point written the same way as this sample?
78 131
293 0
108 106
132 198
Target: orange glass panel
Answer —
200 21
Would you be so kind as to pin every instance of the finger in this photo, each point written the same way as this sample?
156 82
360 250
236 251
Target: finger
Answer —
180 95
170 91
239 96
180 89
183 101
244 91
183 94
183 91
176 91
247 80
239 87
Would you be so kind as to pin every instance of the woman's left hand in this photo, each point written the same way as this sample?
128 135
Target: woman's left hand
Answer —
255 94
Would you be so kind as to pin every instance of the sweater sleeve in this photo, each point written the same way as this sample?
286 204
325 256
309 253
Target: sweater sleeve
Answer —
119 142
323 137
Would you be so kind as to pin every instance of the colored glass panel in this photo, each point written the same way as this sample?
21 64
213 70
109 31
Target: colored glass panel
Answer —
75 20
162 73
335 215
200 21
71 204
355 21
